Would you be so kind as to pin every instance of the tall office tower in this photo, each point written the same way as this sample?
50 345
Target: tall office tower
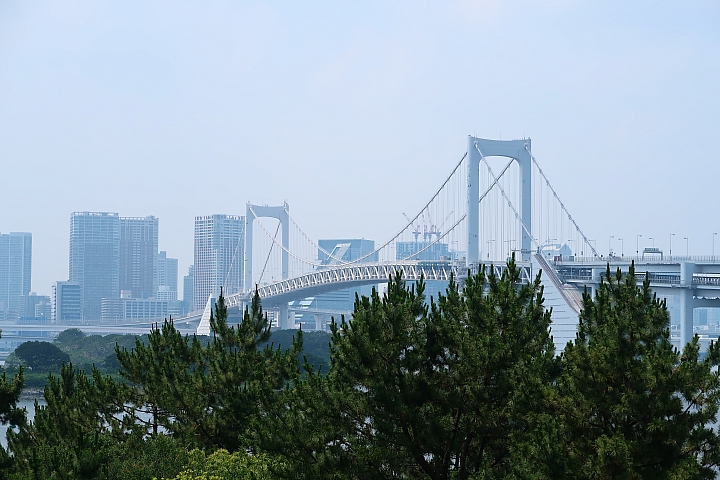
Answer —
166 277
138 251
188 281
219 255
94 259
15 271
66 303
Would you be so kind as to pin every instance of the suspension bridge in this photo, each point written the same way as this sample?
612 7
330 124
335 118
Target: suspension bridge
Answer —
496 201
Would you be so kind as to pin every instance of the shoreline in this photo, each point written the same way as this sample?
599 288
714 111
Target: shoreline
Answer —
32 392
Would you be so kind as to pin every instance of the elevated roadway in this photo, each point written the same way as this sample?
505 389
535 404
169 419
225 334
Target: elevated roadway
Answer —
695 280
345 276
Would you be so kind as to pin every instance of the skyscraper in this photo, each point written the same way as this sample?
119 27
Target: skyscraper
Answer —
138 251
15 272
94 259
166 277
219 256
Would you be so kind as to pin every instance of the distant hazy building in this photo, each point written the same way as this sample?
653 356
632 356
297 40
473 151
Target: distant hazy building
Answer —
166 277
346 250
427 251
66 303
137 256
125 309
422 251
94 259
36 307
219 256
15 272
338 251
188 281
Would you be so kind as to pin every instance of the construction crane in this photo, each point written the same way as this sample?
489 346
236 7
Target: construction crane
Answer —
416 230
432 231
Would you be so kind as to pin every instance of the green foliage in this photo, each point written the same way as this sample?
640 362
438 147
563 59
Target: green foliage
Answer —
71 435
222 465
315 346
630 405
41 355
87 430
70 336
208 394
445 391
10 414
467 387
88 350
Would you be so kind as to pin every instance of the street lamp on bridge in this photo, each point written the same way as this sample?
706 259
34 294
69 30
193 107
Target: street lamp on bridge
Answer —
510 245
637 245
488 250
671 235
687 246
653 241
714 235
610 244
622 247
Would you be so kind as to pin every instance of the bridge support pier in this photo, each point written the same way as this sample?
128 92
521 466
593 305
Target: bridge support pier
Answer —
596 276
319 317
286 318
687 302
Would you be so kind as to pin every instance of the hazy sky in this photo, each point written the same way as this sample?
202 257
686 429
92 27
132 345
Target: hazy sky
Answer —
352 113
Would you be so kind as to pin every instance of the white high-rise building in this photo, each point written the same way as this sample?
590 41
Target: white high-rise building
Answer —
219 257
15 272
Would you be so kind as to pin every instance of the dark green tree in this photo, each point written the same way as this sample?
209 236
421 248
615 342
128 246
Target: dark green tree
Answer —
450 390
41 355
629 404
70 336
10 414
73 434
208 394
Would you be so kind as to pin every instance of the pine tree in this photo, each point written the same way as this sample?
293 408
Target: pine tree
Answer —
208 395
630 405
449 390
10 414
72 436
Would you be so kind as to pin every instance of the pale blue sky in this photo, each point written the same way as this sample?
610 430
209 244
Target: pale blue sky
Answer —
352 113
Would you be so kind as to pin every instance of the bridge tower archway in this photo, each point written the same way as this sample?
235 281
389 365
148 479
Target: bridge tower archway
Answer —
253 212
518 150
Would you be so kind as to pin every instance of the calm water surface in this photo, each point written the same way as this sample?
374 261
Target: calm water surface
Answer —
29 404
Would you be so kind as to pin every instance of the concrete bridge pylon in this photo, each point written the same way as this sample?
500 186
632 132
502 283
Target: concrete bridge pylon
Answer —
518 150
253 212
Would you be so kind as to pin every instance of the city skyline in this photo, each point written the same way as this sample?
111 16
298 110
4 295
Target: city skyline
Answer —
183 110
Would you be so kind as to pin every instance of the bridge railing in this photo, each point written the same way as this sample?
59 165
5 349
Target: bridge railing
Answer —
662 278
647 258
702 279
